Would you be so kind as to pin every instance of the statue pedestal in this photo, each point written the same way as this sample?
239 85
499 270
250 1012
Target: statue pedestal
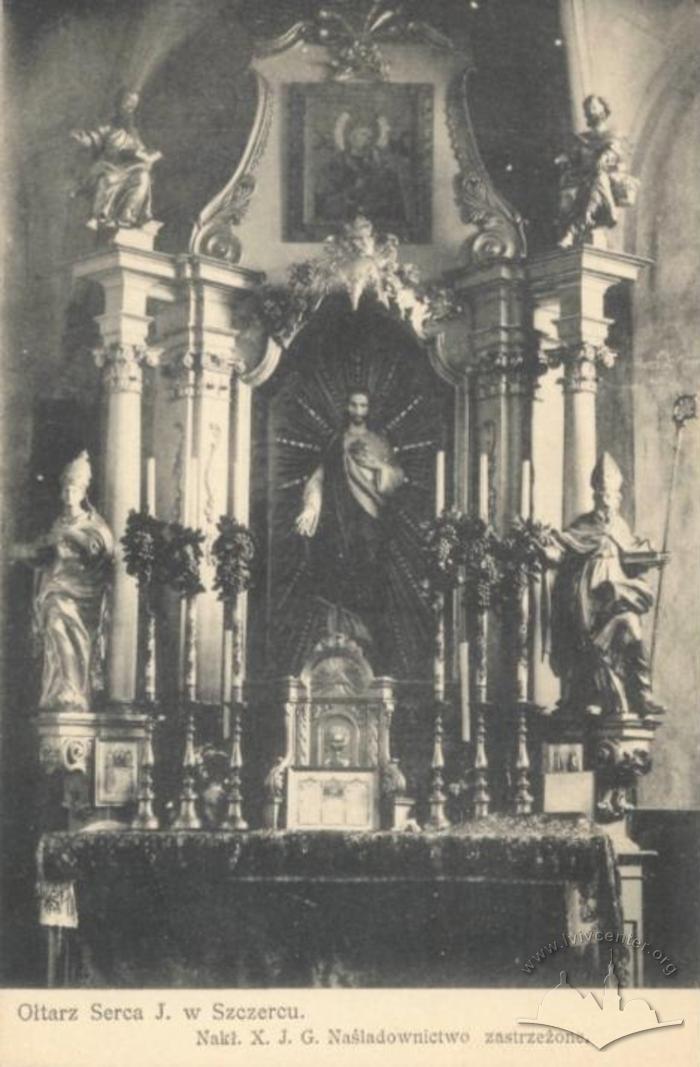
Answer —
90 764
622 756
140 238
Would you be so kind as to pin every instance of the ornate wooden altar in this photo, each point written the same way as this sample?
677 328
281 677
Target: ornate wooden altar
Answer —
394 323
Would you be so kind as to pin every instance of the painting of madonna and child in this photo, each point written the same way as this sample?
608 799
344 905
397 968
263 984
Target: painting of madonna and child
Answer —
359 149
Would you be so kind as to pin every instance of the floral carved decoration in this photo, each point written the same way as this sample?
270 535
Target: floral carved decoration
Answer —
463 552
357 261
234 552
522 555
163 553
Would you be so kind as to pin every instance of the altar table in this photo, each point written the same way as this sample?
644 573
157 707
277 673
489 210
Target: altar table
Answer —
463 907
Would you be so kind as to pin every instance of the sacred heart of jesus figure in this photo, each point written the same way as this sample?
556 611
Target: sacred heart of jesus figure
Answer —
356 420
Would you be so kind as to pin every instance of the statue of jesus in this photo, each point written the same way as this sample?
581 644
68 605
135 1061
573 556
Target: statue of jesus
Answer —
342 518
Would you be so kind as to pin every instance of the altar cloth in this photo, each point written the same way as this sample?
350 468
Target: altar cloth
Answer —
465 906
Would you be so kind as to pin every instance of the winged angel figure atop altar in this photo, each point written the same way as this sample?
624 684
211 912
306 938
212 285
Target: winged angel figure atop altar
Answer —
358 421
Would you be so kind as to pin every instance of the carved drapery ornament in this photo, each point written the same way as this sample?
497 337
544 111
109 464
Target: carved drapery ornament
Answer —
206 374
507 368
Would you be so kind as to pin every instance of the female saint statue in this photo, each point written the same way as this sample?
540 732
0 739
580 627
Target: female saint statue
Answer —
73 568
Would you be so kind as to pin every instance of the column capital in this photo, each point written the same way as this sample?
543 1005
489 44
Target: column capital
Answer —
205 373
121 365
581 362
512 368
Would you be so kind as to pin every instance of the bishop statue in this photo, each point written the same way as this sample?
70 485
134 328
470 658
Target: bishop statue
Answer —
598 602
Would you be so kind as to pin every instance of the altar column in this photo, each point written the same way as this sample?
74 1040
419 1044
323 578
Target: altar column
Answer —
547 448
499 386
496 417
122 383
201 428
128 272
578 280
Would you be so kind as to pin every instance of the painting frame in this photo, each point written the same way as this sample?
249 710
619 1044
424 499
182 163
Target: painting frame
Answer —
116 771
359 148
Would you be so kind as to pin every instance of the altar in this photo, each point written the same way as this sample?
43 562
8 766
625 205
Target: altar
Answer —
459 908
345 636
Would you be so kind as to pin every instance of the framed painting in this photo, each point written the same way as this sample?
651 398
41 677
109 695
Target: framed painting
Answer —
359 150
116 771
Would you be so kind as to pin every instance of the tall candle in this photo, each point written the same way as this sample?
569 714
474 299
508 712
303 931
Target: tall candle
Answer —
439 481
525 489
151 485
439 658
464 689
193 503
484 486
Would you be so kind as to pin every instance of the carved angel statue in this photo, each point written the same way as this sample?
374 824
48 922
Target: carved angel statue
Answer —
598 601
594 181
73 564
119 179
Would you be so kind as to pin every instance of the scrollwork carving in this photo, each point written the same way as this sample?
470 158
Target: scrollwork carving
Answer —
65 754
353 41
497 229
620 762
214 232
